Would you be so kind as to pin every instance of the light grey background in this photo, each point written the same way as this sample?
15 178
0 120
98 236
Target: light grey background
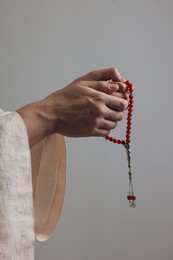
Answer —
46 44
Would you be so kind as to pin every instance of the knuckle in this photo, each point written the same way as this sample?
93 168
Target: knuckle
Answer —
96 106
111 85
94 131
105 87
79 83
82 83
114 124
95 122
100 85
99 111
94 73
114 69
100 99
107 132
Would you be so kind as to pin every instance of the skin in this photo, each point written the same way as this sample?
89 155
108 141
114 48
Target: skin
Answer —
89 106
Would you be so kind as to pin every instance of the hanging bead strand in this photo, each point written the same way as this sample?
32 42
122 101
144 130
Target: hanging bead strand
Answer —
130 197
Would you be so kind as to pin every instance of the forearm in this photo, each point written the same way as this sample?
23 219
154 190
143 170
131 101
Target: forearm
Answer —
36 121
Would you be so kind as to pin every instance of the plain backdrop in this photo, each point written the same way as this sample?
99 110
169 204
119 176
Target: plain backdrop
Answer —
44 45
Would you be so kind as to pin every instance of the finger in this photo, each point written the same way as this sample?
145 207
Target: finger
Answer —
101 132
104 86
116 103
122 87
104 128
104 74
107 124
121 95
113 115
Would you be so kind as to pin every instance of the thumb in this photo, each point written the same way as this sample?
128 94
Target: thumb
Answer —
104 86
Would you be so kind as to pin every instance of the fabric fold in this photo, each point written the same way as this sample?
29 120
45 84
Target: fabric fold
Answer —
16 202
49 183
32 187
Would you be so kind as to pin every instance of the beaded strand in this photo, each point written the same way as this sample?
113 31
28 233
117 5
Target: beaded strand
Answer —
130 197
129 117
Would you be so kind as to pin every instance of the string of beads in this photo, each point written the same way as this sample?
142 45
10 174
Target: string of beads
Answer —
131 198
129 118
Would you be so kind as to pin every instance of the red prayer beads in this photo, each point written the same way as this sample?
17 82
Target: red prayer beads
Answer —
131 198
129 118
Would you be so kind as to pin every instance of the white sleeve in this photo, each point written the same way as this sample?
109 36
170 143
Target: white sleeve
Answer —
16 201
32 187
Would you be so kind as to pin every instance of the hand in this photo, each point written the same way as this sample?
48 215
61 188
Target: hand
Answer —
89 106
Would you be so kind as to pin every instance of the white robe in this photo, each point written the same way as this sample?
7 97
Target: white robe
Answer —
32 187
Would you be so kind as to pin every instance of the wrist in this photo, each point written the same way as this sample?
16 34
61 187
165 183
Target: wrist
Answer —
35 117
